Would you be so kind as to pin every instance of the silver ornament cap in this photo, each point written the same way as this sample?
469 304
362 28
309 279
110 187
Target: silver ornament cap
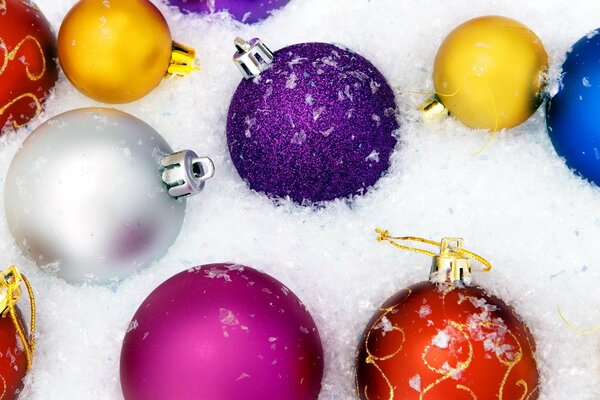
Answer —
184 172
252 57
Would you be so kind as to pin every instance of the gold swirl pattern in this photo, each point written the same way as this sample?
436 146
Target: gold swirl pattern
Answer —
372 359
461 332
449 372
3 387
10 56
33 97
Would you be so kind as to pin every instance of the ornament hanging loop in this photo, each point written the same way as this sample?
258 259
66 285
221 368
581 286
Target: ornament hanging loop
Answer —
10 293
252 57
451 265
184 172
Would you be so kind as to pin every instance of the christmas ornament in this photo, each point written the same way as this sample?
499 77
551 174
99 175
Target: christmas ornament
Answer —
571 113
489 72
118 51
16 346
249 11
315 125
221 331
27 67
84 196
445 339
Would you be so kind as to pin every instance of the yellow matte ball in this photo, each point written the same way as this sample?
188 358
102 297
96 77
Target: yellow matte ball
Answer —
114 51
490 71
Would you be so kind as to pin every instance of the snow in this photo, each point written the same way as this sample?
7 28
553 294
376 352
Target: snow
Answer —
442 339
516 203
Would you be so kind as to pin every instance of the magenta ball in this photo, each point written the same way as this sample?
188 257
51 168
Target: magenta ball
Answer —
248 11
221 332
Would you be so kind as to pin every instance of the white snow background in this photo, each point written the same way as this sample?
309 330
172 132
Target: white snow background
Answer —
516 204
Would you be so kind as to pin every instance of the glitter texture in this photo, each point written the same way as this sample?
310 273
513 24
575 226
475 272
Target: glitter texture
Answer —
249 11
318 125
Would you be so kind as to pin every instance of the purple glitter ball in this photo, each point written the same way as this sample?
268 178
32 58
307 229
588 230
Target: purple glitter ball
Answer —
221 332
317 125
249 11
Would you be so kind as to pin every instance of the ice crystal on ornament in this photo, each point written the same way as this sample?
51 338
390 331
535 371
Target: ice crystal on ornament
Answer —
415 382
385 325
299 137
442 339
376 118
227 317
374 86
242 376
133 325
291 82
373 156
586 82
317 113
327 132
217 273
296 61
424 311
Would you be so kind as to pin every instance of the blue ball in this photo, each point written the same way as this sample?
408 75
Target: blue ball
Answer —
572 114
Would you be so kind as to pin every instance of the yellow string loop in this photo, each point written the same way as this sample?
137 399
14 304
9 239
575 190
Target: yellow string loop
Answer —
384 235
574 329
10 281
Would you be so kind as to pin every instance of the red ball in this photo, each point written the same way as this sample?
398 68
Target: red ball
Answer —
13 362
27 61
446 342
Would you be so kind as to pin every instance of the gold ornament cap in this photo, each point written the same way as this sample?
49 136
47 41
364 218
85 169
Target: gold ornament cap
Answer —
183 60
433 110
451 265
11 279
10 293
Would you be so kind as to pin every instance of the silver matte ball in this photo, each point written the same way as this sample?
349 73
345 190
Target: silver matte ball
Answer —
84 196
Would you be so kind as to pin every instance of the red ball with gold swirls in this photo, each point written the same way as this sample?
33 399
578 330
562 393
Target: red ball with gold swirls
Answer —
27 62
440 342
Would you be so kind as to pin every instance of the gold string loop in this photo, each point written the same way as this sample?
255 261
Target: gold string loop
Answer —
574 329
10 285
384 235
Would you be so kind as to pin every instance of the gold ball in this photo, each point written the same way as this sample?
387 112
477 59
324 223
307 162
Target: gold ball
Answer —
489 72
114 51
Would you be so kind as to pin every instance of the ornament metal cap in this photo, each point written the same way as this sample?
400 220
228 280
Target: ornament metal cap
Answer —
451 265
183 60
10 278
10 293
432 109
184 172
252 57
